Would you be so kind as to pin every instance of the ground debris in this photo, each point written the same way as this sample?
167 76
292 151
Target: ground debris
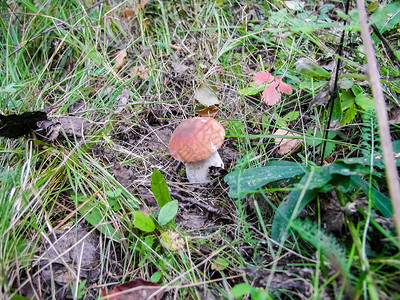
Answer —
294 279
67 253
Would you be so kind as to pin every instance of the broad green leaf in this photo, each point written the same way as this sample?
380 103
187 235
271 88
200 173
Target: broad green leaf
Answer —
280 121
253 89
294 203
341 168
95 218
156 276
315 138
241 289
250 180
365 102
382 202
320 179
168 212
143 221
346 99
310 68
349 115
387 16
159 188
311 86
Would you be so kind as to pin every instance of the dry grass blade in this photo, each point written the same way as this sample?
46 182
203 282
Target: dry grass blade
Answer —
383 121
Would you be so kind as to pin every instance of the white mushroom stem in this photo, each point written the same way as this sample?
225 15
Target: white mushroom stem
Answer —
198 171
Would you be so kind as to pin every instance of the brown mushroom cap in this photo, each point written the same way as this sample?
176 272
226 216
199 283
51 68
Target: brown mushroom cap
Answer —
196 139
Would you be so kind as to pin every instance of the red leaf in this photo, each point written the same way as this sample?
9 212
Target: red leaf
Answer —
262 77
270 95
283 87
137 289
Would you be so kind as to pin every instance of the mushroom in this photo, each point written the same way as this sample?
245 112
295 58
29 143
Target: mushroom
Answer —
195 142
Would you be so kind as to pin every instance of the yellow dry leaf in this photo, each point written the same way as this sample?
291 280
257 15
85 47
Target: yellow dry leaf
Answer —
119 59
286 145
208 111
140 71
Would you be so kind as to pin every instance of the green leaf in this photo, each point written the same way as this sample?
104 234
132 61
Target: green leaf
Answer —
8 89
382 202
143 221
293 115
219 263
329 147
241 289
95 218
168 212
387 16
346 99
159 188
19 297
260 294
246 181
365 102
291 207
310 68
319 179
253 89
349 115
156 276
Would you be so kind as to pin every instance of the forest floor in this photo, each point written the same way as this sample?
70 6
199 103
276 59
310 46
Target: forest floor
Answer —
93 206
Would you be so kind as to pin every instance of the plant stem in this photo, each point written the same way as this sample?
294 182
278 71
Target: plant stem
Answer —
384 130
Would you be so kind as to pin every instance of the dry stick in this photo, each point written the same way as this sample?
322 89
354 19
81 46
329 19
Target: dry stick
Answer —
383 122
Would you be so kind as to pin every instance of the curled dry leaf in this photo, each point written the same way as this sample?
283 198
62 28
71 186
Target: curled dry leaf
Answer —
119 59
140 71
286 145
122 99
209 111
206 96
137 289
178 67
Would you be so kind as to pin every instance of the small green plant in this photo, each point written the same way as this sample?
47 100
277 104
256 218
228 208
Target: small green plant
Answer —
78 291
113 198
241 289
168 207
